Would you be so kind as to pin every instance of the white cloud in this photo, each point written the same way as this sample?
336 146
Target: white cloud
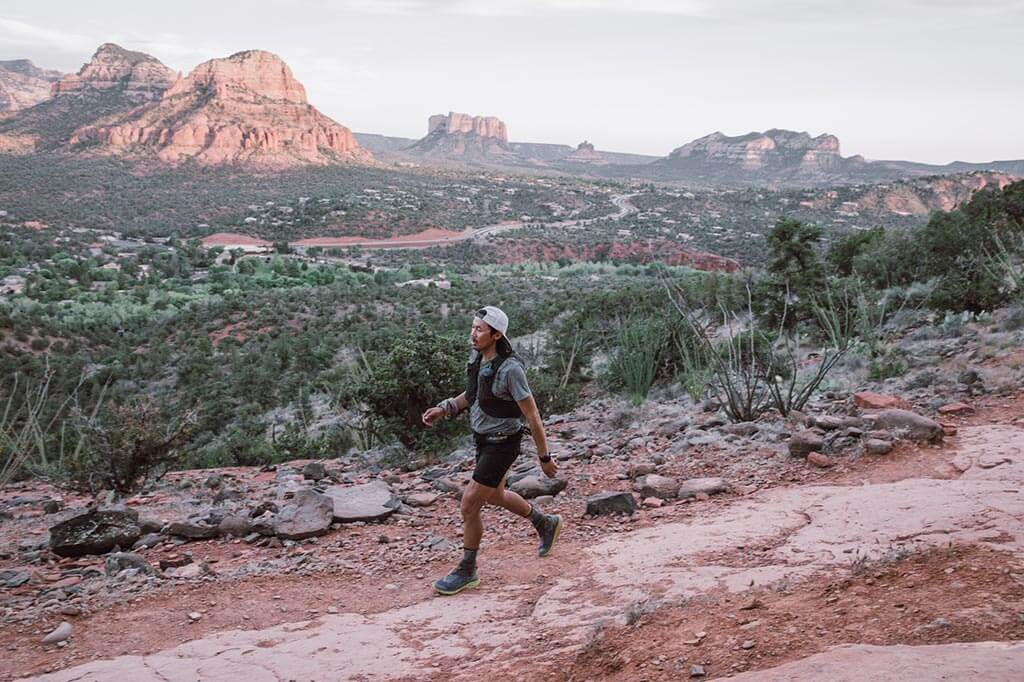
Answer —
16 32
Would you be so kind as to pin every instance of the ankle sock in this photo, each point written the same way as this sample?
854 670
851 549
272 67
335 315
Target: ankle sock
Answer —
536 518
468 562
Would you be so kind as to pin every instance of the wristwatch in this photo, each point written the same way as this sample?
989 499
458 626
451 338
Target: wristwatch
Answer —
545 459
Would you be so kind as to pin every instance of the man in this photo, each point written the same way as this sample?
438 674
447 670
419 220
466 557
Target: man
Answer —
498 397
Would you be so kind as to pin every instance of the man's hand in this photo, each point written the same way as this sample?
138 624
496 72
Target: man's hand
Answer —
430 415
549 468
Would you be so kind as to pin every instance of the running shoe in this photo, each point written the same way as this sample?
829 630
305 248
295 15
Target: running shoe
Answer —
549 533
456 581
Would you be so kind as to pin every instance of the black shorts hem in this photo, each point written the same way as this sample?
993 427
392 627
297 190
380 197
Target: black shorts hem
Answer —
493 460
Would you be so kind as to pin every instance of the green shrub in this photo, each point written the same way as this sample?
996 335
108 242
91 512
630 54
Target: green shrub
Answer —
634 361
396 386
123 445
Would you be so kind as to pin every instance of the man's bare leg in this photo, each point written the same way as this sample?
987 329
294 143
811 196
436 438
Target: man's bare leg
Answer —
548 526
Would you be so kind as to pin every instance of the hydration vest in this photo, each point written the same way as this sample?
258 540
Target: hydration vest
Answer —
478 389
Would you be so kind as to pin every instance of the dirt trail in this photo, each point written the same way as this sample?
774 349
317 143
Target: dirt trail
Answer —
540 619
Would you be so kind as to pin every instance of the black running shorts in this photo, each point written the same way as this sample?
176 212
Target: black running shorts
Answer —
494 459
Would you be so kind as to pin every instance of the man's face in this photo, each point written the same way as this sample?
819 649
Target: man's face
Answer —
480 336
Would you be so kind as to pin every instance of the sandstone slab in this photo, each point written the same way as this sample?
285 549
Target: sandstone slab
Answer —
372 501
309 514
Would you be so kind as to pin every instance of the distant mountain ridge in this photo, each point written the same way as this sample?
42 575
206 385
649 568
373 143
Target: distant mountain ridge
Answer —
23 84
113 81
246 108
249 108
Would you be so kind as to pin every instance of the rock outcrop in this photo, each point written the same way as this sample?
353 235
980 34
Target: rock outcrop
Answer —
114 81
772 157
585 153
135 75
245 108
464 124
23 84
465 138
925 195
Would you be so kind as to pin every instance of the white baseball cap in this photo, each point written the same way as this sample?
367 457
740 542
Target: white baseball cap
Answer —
495 317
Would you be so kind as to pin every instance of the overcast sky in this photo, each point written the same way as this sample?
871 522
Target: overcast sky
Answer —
923 80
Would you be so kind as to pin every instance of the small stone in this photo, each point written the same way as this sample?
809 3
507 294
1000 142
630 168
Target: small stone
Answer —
878 401
653 502
70 610
332 609
195 616
697 670
421 499
877 446
610 502
819 460
314 471
655 485
694 487
747 644
805 442
59 634
956 408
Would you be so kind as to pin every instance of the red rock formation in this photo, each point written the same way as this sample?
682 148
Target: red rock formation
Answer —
23 84
585 153
245 108
135 74
456 123
922 196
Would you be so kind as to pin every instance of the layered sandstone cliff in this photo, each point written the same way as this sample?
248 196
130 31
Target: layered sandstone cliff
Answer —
113 81
923 196
774 156
245 108
585 153
135 75
464 124
463 137
23 84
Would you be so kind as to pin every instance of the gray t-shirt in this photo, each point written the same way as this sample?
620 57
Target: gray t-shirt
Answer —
509 384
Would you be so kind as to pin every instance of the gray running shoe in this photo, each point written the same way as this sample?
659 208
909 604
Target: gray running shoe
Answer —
549 533
456 581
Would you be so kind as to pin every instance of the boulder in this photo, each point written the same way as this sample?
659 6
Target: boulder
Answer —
909 425
697 486
534 486
372 501
656 485
878 401
805 442
95 532
308 514
611 502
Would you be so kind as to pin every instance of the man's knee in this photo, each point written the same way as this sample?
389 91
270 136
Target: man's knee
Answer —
474 498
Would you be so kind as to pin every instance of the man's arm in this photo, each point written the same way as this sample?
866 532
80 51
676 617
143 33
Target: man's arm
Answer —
528 406
458 404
